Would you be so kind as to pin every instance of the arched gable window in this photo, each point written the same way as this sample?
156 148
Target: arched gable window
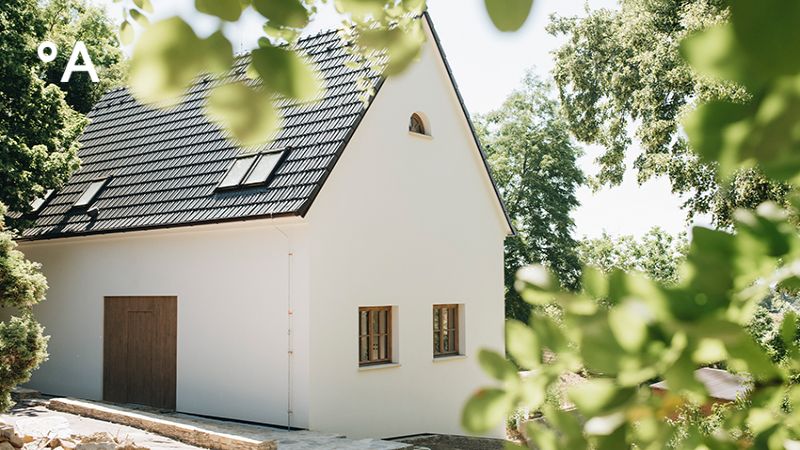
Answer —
417 125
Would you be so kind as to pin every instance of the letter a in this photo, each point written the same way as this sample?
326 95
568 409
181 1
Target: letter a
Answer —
73 66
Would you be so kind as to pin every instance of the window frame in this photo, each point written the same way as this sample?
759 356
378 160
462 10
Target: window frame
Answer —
423 124
453 330
256 159
370 335
101 183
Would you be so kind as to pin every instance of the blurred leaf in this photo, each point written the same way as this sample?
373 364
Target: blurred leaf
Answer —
509 15
536 284
283 13
599 396
402 45
485 410
767 37
248 113
146 5
219 53
140 18
167 57
361 9
522 344
287 73
229 10
789 329
126 33
628 322
496 366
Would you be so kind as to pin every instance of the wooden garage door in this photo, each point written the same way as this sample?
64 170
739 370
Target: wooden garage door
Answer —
139 350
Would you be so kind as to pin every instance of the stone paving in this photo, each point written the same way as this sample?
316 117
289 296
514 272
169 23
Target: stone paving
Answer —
32 417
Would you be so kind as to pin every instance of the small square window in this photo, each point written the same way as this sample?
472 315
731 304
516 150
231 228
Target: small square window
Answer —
91 192
446 330
374 335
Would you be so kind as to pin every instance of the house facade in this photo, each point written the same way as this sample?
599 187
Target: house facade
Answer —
341 279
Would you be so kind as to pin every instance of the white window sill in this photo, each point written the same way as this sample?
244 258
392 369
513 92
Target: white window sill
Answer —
378 367
449 358
419 135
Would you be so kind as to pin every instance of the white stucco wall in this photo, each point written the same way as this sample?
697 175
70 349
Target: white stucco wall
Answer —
407 221
231 284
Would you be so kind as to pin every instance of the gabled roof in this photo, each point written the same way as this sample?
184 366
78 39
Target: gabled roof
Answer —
164 165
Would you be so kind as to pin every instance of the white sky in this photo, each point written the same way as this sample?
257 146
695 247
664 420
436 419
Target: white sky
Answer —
488 65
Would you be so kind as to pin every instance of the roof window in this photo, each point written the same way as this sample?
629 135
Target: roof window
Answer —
252 170
37 204
91 192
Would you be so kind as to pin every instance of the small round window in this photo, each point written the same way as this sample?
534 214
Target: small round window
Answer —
417 125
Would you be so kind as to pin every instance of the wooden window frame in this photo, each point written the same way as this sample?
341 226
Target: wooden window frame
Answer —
420 122
371 335
453 330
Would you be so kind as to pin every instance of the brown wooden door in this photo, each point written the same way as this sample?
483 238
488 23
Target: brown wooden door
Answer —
139 350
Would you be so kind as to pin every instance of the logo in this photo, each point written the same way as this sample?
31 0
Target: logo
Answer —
48 51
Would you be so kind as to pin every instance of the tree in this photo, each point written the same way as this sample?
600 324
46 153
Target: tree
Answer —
67 22
534 162
23 345
38 130
651 329
621 71
657 254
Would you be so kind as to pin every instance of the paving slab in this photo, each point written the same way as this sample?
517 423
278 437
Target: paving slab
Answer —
46 419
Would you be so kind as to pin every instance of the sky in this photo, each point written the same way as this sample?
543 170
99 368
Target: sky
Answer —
488 65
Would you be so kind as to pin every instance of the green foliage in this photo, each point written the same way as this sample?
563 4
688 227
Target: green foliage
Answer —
23 345
621 71
69 21
38 130
385 36
535 165
651 329
656 254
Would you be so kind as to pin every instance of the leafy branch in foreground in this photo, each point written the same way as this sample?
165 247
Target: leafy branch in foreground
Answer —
645 329
385 36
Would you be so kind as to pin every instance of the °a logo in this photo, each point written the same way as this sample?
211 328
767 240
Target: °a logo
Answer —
48 51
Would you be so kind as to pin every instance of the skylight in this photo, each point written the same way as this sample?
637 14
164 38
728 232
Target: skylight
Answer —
237 172
251 170
37 204
91 192
263 168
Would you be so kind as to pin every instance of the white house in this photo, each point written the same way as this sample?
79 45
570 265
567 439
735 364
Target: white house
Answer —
342 279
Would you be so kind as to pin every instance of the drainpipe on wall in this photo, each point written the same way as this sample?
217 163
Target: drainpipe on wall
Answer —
289 313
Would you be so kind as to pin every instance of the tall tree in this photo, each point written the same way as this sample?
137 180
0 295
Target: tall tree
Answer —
38 130
534 162
69 21
621 71
657 254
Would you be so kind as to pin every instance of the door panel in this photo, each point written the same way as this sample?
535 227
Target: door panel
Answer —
139 350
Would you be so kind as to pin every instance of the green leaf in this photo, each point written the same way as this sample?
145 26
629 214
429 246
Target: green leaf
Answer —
599 396
496 366
401 45
167 58
287 73
486 410
146 5
789 329
767 31
508 15
361 9
628 322
283 13
523 345
126 33
140 18
248 113
229 10
219 53
536 285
